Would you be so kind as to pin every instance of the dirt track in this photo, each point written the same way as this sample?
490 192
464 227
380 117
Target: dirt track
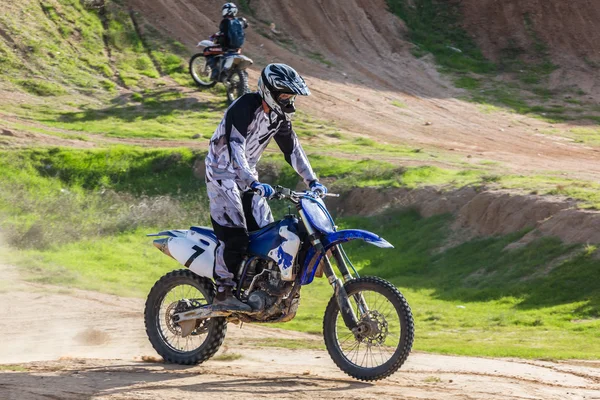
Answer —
92 346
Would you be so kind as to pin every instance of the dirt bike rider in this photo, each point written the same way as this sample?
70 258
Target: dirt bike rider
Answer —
230 37
237 197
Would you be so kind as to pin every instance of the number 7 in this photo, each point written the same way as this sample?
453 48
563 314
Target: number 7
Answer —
199 250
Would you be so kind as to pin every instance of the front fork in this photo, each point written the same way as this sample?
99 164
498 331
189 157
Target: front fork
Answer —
336 283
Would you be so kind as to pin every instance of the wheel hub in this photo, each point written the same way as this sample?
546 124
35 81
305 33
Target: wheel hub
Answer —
373 328
182 306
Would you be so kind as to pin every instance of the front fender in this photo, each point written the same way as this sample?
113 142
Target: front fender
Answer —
353 234
313 258
242 62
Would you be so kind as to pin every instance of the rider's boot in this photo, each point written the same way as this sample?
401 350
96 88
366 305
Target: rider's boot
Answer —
226 301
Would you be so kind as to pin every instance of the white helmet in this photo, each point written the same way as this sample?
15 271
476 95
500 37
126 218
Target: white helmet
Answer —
278 79
229 10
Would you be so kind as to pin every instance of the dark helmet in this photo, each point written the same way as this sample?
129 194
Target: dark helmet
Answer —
277 80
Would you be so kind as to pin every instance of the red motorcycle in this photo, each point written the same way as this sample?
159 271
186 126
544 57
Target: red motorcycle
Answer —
207 68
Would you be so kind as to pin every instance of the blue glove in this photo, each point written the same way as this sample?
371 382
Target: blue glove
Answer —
263 189
319 189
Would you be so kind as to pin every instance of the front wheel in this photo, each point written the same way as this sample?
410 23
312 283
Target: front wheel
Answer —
201 71
176 292
385 332
238 85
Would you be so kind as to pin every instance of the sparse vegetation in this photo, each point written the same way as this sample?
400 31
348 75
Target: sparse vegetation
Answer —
467 82
83 49
227 357
435 27
320 58
13 368
293 344
41 88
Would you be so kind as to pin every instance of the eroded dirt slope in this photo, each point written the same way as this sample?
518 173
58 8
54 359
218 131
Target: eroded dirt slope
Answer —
568 30
357 61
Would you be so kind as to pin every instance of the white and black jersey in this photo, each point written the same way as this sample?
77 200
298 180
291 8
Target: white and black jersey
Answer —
242 137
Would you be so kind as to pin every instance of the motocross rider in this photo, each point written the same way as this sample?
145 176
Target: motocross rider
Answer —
237 197
230 37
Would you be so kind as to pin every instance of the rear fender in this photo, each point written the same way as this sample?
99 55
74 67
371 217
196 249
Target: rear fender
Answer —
313 258
194 248
205 43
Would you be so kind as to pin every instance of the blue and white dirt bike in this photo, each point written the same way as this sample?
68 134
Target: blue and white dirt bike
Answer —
368 325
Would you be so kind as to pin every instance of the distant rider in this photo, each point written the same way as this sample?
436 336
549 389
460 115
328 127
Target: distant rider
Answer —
231 38
237 197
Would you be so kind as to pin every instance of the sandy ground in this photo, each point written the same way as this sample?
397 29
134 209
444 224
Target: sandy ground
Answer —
73 344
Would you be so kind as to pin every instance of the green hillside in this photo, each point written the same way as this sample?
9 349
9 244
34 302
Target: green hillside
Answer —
79 218
115 95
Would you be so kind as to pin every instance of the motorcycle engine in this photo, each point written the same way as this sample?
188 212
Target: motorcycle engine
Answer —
259 300
267 288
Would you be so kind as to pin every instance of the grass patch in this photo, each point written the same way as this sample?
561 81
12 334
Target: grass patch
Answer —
124 264
466 82
153 113
320 58
41 88
83 195
292 344
586 192
368 172
85 50
435 28
398 104
585 135
227 357
311 128
13 368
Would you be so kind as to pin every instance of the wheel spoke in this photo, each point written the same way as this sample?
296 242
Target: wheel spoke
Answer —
381 327
168 330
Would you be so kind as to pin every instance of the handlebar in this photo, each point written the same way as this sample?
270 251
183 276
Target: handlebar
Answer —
282 193
286 193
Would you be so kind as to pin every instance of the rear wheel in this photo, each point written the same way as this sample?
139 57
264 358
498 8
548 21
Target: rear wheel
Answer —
384 335
238 85
176 292
201 71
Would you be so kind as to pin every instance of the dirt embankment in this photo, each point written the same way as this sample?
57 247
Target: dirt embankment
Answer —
567 30
481 212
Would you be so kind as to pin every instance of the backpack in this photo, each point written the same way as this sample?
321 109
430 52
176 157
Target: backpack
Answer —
236 34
